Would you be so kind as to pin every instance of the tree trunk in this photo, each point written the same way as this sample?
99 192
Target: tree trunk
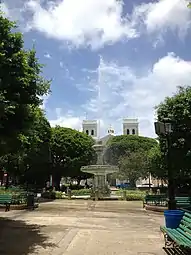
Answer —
132 183
56 182
79 180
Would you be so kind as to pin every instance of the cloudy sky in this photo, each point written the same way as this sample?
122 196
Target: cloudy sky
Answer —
108 59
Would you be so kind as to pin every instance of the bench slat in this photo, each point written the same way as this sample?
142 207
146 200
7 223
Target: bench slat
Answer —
186 219
184 230
188 215
5 199
175 237
182 238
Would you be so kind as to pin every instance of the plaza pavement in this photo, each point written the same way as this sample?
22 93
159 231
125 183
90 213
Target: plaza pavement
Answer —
64 227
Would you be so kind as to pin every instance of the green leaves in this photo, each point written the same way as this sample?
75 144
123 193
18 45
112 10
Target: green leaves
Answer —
21 85
120 145
130 153
70 150
178 110
133 166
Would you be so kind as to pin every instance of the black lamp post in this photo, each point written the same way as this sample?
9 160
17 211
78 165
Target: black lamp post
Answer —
164 128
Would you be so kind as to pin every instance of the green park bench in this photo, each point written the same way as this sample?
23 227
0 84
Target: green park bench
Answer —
161 200
6 199
157 200
180 236
183 202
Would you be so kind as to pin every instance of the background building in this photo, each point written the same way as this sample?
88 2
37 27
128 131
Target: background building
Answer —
90 127
130 127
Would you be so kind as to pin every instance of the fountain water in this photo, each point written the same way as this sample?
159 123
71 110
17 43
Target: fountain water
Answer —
100 171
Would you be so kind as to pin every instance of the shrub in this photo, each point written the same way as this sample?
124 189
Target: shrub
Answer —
49 195
132 195
59 194
81 192
11 190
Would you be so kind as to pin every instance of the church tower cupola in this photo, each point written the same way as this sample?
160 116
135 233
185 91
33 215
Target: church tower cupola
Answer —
130 127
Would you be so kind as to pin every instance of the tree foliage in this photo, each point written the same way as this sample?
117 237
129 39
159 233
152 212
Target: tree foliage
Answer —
118 146
177 111
21 86
156 163
70 150
36 149
31 162
133 166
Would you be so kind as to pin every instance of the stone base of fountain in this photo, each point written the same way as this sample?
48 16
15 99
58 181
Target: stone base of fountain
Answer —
100 193
100 171
100 187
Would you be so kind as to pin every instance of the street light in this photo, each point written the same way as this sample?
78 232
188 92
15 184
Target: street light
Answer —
165 128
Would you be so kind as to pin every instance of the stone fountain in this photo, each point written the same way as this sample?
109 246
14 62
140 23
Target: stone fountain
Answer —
100 172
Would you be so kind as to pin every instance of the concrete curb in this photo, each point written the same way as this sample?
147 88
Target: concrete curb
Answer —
155 208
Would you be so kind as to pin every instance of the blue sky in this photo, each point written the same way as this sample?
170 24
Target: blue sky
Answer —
107 59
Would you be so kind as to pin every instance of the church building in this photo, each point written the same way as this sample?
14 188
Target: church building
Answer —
129 127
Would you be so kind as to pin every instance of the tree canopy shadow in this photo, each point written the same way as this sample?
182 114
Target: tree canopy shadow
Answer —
176 251
19 238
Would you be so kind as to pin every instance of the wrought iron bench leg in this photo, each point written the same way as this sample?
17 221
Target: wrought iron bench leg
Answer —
168 241
7 207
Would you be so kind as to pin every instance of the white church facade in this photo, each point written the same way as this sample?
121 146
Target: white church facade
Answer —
130 126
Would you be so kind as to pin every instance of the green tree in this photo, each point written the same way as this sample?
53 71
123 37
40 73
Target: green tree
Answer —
177 111
36 148
156 163
133 166
118 146
31 163
21 86
70 150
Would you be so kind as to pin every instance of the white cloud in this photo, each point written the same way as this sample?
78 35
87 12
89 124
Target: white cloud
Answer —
124 94
162 15
4 9
47 55
96 23
117 91
82 22
67 120
44 101
61 64
15 11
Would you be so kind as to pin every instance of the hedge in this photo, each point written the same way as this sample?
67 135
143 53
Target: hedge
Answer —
60 194
132 195
81 192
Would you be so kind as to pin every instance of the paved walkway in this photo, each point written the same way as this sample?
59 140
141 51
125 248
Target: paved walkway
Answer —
82 227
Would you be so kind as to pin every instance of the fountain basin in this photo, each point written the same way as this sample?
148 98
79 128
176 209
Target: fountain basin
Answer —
99 169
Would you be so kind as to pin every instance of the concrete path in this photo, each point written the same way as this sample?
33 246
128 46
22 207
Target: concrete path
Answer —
82 227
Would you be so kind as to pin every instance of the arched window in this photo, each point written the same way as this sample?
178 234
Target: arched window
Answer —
92 132
87 132
127 131
133 131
